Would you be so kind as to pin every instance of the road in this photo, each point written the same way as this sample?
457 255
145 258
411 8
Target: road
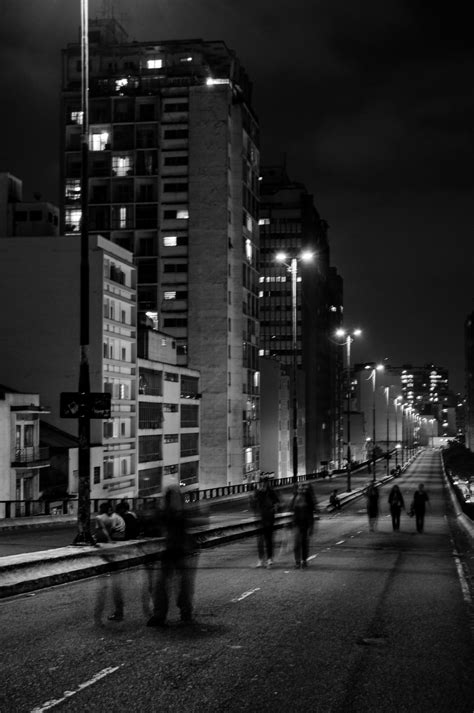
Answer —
379 622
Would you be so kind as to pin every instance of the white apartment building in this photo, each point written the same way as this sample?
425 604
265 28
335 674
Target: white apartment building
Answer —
21 457
168 420
39 341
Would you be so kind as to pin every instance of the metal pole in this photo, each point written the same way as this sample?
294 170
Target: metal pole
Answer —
387 396
84 536
374 462
349 454
293 268
396 432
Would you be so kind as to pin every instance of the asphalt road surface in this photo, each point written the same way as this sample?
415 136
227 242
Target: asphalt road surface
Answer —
379 622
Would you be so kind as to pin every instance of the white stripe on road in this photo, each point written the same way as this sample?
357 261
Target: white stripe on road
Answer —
341 542
245 595
68 694
311 557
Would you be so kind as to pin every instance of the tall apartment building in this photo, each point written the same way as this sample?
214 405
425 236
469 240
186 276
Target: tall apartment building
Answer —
174 167
427 388
469 367
24 218
289 222
39 341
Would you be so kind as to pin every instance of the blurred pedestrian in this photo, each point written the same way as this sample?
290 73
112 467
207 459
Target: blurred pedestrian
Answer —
334 500
420 498
178 559
264 502
396 502
302 507
372 496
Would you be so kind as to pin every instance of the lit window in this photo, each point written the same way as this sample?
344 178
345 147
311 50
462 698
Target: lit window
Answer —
261 279
333 309
260 293
248 250
99 141
120 83
182 214
76 117
154 63
186 59
264 221
249 223
121 165
122 217
170 295
73 220
170 241
73 189
210 81
261 352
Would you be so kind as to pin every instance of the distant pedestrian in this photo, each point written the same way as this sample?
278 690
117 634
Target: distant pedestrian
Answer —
132 527
178 560
334 500
396 502
420 498
302 507
372 496
265 503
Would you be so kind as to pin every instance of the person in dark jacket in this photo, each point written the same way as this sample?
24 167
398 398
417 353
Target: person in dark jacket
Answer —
178 560
396 502
132 527
420 498
372 496
302 506
265 503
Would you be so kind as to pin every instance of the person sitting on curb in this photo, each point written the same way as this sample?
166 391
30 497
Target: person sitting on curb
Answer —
334 500
110 526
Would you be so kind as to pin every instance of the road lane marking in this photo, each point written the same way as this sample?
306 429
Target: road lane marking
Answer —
341 542
311 557
68 694
245 595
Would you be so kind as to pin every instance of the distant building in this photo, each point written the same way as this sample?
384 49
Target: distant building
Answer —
23 218
290 223
21 456
174 168
469 371
39 341
168 421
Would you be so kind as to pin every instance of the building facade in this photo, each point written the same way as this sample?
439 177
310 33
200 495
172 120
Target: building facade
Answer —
469 372
23 218
39 341
290 223
173 177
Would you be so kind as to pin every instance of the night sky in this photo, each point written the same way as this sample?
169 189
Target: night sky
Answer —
372 103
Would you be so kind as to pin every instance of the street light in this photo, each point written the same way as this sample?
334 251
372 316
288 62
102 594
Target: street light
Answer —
305 256
349 338
397 403
373 376
387 400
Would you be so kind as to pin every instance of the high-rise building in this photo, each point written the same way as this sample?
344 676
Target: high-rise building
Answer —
290 223
173 177
469 366
24 218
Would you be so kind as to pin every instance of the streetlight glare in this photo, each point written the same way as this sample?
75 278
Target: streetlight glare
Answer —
307 256
380 367
281 257
340 332
357 332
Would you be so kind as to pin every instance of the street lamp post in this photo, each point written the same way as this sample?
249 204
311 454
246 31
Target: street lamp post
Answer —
348 341
396 402
292 266
373 376
387 400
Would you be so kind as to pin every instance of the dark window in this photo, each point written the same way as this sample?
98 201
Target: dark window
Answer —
146 216
175 187
149 448
149 481
147 271
170 214
189 416
189 473
171 438
174 107
36 215
189 387
96 474
150 382
175 322
176 134
150 415
175 267
189 444
123 138
21 216
146 112
171 376
176 161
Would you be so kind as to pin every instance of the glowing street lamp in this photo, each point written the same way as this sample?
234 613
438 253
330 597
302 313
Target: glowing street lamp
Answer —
373 376
291 263
349 338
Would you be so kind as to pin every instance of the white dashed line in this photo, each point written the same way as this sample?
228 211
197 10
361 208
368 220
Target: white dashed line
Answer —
311 557
341 542
245 595
68 694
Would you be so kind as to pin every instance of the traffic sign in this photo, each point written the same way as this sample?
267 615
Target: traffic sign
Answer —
80 405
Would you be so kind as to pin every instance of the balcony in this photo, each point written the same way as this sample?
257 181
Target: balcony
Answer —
33 456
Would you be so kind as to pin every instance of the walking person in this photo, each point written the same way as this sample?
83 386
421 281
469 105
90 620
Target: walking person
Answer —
178 560
420 498
334 500
372 496
303 505
265 503
396 502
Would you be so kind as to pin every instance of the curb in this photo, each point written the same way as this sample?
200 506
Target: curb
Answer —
465 522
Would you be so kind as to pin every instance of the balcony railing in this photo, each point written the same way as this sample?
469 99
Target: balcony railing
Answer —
32 454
